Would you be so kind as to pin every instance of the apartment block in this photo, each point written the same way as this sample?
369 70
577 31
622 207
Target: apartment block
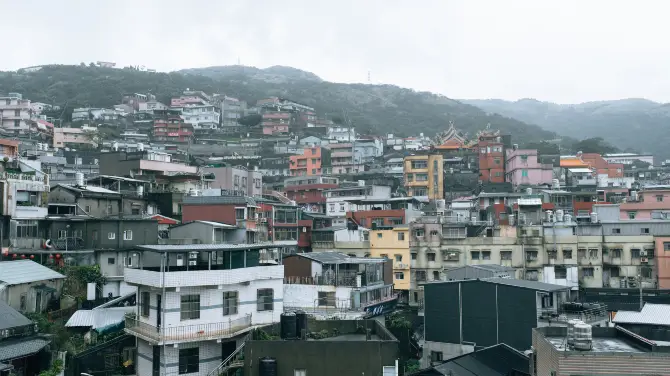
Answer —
424 176
524 168
310 163
15 112
393 243
338 200
236 179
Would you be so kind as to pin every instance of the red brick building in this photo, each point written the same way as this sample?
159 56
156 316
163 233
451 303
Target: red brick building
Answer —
491 157
307 191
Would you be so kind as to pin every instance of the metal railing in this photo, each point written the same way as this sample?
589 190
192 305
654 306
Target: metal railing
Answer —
194 332
591 313
341 279
234 360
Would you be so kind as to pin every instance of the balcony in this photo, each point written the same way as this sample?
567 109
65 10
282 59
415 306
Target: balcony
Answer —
400 265
202 277
248 224
187 333
30 212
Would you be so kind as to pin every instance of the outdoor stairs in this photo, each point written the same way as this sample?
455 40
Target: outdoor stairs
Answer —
233 362
280 196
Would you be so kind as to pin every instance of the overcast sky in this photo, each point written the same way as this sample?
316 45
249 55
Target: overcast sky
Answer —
563 51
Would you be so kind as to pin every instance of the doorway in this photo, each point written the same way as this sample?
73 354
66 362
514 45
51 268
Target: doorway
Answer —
227 349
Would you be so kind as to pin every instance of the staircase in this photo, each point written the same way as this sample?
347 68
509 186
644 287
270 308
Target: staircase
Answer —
233 362
280 196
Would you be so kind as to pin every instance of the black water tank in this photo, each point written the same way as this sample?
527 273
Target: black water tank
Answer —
301 323
267 367
287 323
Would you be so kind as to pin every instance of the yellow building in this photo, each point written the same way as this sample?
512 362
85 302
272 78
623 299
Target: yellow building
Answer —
424 176
393 243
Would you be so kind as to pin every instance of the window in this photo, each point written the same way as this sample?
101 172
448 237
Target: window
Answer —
410 177
379 235
486 255
531 275
616 231
230 303
421 177
401 236
382 255
413 256
420 191
567 254
531 255
645 272
505 255
326 298
111 235
430 256
420 275
632 214
524 157
239 213
145 304
644 230
87 208
419 232
399 275
23 301
109 209
581 253
62 234
264 300
111 261
666 246
614 272
436 356
524 173
587 272
560 273
635 253
436 275
331 207
419 164
26 229
189 360
551 253
474 255
342 208
190 307
127 234
300 372
593 253
398 258
659 198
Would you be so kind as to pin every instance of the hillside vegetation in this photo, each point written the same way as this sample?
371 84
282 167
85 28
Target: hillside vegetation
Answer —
630 124
377 109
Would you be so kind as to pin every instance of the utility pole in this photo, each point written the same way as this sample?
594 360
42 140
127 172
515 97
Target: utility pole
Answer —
639 282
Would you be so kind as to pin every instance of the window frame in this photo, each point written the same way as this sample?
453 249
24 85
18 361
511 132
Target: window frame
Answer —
231 302
189 307
262 306
191 360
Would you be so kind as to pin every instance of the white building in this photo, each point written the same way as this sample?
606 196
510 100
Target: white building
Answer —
337 200
231 110
628 158
341 134
200 116
198 302
15 112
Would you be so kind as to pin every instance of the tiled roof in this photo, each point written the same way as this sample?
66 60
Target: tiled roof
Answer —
22 347
11 318
651 314
25 271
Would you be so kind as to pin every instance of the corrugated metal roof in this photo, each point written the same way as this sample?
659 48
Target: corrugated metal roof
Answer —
210 223
339 258
98 318
651 314
533 285
212 247
11 318
22 347
25 271
210 200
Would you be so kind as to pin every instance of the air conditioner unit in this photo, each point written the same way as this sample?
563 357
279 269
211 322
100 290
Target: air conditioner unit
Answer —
643 253
193 255
644 259
193 262
264 220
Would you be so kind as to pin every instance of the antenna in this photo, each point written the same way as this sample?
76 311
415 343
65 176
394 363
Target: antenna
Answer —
369 77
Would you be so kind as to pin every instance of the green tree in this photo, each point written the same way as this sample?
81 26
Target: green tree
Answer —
594 145
250 120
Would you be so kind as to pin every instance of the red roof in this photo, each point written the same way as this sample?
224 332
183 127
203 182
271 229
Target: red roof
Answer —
163 220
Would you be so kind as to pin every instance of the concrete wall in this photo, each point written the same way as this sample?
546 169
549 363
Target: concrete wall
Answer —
306 296
448 350
12 294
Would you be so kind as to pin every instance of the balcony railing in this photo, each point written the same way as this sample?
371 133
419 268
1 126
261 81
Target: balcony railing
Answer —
591 313
187 333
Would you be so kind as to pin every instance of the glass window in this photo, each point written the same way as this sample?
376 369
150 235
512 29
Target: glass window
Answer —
399 275
326 299
398 258
505 255
401 236
431 256
264 300
230 302
190 307
474 255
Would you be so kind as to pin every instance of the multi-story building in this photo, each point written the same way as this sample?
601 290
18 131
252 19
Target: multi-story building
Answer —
310 163
338 200
24 195
168 126
183 325
605 351
308 191
231 109
236 179
424 176
393 243
74 137
201 117
233 210
327 283
276 166
385 212
628 158
277 123
15 112
340 133
367 149
149 163
347 239
651 202
343 160
492 147
524 169
151 106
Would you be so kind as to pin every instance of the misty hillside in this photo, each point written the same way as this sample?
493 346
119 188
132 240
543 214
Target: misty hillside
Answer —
377 109
631 124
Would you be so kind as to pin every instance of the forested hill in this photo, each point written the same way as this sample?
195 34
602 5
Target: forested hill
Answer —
376 109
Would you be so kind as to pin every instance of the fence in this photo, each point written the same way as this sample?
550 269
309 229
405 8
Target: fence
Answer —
195 332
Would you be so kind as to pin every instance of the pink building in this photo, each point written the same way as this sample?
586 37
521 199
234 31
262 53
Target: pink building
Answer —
276 123
523 168
650 203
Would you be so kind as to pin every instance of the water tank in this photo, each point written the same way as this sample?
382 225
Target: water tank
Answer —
511 219
288 326
559 215
548 215
140 190
301 323
267 367
79 179
529 191
594 217
567 218
582 337
571 330
555 184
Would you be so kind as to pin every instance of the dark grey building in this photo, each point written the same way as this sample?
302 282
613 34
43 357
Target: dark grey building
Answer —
498 360
461 316
93 202
332 348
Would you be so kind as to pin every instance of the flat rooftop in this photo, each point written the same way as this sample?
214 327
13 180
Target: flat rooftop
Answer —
610 340
599 345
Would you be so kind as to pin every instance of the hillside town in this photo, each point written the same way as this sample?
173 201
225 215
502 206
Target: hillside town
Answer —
204 235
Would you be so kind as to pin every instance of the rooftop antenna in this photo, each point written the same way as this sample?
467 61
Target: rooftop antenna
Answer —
369 81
